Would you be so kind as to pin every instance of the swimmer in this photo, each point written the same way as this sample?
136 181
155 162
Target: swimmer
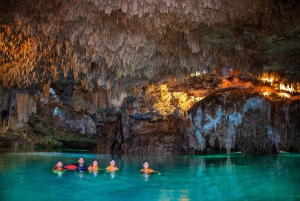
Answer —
112 165
146 168
81 166
58 166
93 168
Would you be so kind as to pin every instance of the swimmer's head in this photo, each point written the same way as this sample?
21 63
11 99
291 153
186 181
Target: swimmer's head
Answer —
59 163
112 162
95 162
80 160
146 164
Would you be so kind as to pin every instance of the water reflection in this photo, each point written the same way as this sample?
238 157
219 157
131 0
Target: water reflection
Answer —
59 174
95 173
223 177
197 177
1 163
111 173
145 176
220 176
166 194
184 195
79 174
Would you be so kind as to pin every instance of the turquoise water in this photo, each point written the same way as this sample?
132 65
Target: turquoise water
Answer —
27 176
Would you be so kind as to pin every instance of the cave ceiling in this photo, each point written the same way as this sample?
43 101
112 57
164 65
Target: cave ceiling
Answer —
121 44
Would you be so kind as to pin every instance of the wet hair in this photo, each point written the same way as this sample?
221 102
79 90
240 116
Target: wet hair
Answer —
145 161
95 160
81 157
112 159
59 160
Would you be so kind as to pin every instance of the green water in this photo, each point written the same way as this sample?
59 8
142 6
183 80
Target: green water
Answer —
27 176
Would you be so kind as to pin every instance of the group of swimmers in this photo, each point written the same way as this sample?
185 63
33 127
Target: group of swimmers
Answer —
80 166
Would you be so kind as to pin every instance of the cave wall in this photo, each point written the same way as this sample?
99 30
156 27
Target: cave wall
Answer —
121 76
236 115
247 121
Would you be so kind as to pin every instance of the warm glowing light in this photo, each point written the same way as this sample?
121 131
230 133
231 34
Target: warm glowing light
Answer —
198 73
164 101
287 88
185 102
197 98
152 88
285 95
266 93
271 78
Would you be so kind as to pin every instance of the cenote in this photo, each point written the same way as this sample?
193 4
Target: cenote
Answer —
207 90
26 175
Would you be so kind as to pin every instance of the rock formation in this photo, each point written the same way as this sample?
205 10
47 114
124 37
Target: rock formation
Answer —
150 76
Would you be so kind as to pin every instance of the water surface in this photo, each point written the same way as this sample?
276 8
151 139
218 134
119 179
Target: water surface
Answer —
26 175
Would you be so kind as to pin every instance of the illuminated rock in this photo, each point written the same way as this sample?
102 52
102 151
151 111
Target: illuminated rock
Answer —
149 61
252 123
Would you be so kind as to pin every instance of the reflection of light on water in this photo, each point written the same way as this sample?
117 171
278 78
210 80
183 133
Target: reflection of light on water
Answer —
112 174
166 194
213 156
1 162
201 167
184 196
228 164
95 173
80 174
184 178
59 174
146 176
59 154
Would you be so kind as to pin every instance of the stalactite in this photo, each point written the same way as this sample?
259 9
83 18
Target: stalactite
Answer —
210 116
84 35
46 90
100 99
25 106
